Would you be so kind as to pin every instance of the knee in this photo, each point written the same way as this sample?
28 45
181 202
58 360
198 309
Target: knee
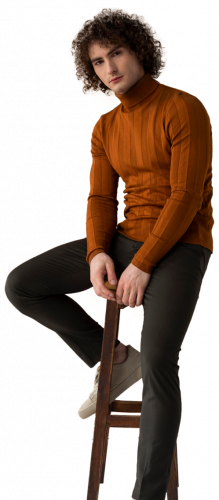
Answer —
158 361
12 287
153 359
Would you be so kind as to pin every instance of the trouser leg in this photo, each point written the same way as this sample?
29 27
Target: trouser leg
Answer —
38 288
169 302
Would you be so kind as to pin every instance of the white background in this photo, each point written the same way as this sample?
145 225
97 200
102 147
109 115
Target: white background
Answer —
46 125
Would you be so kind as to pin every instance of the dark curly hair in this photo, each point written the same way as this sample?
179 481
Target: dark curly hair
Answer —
113 26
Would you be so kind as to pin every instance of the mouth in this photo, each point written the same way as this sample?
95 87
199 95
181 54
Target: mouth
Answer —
116 79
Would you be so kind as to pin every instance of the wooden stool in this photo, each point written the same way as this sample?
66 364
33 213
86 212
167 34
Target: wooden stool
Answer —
103 419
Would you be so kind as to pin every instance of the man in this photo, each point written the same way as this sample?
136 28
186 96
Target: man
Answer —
158 140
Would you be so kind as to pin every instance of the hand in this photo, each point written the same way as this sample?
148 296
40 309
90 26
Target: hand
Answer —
100 265
131 286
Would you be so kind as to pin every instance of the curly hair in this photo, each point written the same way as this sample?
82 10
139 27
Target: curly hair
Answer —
113 26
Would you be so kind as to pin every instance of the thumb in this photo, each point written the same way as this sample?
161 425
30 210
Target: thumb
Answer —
113 279
111 276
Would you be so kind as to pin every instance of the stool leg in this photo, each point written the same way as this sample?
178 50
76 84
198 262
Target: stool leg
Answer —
104 454
172 490
107 432
103 395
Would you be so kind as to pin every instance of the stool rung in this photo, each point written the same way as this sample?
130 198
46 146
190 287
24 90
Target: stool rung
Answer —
126 406
123 421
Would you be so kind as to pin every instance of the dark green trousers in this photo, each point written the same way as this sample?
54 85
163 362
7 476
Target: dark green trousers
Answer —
38 288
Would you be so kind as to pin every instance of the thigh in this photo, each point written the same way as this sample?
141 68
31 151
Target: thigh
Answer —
170 299
122 250
64 269
60 270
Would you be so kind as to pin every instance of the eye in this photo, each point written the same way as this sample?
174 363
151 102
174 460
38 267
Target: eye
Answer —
117 52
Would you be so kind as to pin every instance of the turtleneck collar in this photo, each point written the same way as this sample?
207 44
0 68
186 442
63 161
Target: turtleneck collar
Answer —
139 91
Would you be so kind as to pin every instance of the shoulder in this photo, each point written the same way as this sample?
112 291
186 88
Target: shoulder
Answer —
184 110
103 123
178 100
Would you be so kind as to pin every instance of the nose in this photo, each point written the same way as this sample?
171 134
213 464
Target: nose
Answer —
111 69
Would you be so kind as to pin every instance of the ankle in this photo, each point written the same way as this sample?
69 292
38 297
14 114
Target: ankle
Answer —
120 348
120 356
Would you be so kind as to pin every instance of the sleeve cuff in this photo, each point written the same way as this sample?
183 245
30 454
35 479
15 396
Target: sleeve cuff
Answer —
147 268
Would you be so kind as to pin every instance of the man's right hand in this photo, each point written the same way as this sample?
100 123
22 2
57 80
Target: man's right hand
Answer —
100 265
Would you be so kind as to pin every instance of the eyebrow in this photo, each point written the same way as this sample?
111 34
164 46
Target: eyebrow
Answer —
108 53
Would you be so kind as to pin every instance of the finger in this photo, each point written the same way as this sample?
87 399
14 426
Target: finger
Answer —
132 299
100 292
119 303
119 299
132 305
108 294
139 299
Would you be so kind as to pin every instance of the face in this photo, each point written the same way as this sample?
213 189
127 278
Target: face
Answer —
114 61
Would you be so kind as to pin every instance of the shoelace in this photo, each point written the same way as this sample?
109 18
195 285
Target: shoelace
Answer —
96 381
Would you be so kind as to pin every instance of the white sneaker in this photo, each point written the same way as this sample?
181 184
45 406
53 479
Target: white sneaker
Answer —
124 376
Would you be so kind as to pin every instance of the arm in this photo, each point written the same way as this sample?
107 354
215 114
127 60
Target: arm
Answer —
101 218
188 128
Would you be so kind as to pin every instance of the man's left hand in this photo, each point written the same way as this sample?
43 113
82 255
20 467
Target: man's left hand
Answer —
131 286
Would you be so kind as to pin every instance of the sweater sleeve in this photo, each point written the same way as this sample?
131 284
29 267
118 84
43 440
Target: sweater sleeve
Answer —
188 129
102 206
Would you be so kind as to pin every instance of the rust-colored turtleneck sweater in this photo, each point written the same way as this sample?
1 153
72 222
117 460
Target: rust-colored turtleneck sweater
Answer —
159 141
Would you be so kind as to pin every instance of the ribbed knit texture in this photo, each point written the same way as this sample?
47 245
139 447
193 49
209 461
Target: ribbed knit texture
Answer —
159 141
